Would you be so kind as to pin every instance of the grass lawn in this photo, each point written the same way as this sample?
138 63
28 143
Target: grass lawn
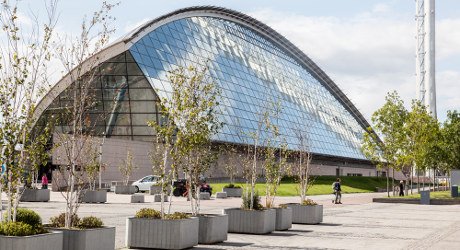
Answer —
433 195
322 185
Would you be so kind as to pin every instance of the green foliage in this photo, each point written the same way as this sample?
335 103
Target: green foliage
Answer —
59 221
29 217
16 229
308 202
232 185
321 185
148 213
451 136
422 134
255 201
388 123
90 222
177 216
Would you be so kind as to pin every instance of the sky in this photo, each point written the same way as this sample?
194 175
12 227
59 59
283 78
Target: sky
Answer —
366 46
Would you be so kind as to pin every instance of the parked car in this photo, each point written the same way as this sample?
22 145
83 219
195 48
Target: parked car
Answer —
144 183
180 187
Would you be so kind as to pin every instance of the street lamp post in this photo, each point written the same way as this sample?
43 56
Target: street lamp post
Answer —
100 160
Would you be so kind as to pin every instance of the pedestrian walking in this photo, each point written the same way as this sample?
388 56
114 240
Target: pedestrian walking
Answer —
401 188
337 191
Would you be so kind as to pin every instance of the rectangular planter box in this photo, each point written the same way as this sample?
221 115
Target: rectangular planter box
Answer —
306 214
233 192
157 198
121 189
283 218
48 241
35 195
161 234
213 228
97 196
157 190
88 239
137 198
251 221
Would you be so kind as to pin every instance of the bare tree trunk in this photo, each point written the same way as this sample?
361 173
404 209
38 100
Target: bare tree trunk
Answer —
388 182
393 182
418 181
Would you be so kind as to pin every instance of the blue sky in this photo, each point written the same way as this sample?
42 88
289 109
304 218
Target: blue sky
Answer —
366 46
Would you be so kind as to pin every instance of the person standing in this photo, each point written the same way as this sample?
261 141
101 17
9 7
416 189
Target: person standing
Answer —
401 188
44 181
338 191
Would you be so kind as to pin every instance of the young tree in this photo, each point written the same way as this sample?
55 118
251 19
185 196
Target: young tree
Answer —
77 56
451 135
388 124
24 57
302 165
192 121
275 153
422 134
230 165
127 167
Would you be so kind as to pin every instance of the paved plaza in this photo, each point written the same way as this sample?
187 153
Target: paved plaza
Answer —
357 224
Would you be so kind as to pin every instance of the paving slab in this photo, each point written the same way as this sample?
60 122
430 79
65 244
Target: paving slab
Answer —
356 224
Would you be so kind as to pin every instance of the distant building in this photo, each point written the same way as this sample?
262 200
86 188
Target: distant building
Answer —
251 64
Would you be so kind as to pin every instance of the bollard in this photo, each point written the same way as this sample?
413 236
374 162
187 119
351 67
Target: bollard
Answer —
454 191
425 197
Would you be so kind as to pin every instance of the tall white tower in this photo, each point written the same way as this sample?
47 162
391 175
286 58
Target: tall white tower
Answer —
425 54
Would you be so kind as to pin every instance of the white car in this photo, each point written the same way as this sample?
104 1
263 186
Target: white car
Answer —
144 183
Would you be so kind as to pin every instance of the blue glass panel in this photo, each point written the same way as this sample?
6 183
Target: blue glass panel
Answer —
252 72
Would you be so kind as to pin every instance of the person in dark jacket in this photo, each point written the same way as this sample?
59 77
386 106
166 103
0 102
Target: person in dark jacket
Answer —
401 188
338 192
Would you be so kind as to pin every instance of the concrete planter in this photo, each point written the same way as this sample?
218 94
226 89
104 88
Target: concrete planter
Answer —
306 214
121 189
35 195
48 241
137 198
251 221
213 228
88 239
161 234
157 190
221 195
233 192
97 196
283 218
157 198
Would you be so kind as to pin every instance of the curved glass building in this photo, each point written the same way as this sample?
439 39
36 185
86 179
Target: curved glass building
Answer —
252 65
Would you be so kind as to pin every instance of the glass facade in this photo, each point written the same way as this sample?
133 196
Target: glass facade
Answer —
123 101
252 72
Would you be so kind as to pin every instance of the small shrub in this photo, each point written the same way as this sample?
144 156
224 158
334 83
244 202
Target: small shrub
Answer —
283 206
247 202
231 185
177 216
59 221
90 222
148 213
309 202
27 216
16 229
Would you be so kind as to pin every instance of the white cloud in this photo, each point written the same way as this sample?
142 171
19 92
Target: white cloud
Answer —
370 54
